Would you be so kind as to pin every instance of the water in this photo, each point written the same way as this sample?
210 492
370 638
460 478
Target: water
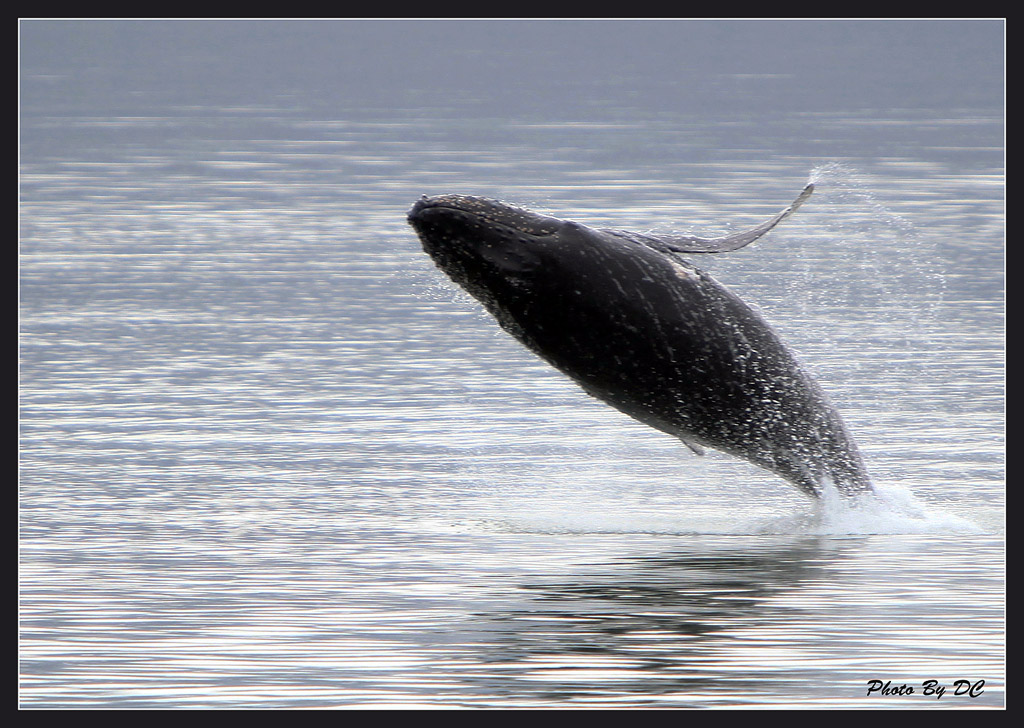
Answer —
270 457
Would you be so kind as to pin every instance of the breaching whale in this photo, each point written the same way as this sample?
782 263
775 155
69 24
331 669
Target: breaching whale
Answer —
644 330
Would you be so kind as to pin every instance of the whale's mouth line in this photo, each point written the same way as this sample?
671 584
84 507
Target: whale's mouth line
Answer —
429 203
484 212
441 216
427 207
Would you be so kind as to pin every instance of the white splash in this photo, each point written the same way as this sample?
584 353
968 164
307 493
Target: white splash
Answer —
889 510
847 184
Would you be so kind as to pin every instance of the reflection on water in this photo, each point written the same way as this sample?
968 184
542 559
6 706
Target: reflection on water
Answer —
365 617
709 625
270 458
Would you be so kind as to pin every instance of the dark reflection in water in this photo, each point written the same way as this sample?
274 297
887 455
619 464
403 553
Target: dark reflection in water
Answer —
692 584
650 625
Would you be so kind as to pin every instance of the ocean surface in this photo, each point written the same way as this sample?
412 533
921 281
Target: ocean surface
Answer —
270 457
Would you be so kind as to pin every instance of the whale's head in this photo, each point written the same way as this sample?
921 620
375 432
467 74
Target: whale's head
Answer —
488 247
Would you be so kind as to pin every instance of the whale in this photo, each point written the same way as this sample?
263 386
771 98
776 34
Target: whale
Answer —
638 326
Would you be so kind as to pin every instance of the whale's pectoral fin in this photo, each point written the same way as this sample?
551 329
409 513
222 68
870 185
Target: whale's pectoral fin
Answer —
688 244
693 446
